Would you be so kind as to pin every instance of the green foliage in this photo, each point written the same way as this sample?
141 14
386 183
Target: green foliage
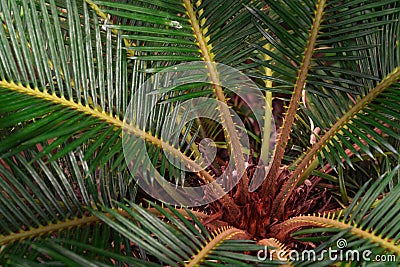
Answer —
69 69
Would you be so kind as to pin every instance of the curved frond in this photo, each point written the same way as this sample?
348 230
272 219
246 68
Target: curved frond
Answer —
181 241
341 72
342 129
368 223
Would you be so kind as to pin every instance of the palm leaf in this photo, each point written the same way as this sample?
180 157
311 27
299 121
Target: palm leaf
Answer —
333 80
367 224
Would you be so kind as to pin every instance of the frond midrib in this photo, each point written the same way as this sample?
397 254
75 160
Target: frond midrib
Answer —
231 134
103 116
284 136
48 229
308 160
82 221
220 236
328 220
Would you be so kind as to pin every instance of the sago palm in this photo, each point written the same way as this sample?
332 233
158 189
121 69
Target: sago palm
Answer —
115 116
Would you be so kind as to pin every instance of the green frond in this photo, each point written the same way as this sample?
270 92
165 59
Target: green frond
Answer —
78 78
185 31
48 84
284 135
367 223
342 70
41 201
345 128
90 112
181 241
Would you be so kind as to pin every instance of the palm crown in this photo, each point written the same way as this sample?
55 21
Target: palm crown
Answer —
82 82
